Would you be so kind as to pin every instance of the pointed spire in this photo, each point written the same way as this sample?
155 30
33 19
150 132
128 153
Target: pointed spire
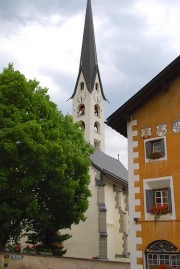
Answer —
88 61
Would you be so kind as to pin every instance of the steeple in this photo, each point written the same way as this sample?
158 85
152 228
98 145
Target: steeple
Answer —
88 97
88 60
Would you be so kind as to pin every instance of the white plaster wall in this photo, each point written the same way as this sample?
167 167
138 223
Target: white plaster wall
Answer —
114 237
85 238
110 220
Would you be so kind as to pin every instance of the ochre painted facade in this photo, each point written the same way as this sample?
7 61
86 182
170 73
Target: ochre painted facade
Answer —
162 108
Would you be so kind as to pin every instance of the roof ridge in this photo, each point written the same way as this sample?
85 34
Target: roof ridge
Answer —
110 156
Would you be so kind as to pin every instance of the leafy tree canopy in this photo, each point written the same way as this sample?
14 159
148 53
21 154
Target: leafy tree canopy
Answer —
44 161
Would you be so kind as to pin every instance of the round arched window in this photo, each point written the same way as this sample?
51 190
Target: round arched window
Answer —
81 110
82 125
97 110
96 127
162 252
82 86
97 86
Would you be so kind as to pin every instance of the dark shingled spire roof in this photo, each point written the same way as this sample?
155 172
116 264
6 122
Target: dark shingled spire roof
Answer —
88 61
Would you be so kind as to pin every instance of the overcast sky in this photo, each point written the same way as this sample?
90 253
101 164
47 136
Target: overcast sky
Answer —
135 40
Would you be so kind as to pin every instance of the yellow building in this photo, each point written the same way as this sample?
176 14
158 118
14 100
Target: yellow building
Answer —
151 122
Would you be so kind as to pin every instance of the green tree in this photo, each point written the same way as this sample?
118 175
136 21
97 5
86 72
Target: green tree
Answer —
44 162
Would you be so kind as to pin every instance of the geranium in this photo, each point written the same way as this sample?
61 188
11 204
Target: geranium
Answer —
155 155
162 266
158 210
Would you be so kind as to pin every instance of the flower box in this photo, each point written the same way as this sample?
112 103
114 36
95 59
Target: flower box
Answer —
158 210
154 155
162 266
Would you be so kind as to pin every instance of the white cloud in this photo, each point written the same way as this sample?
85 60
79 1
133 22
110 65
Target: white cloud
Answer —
135 40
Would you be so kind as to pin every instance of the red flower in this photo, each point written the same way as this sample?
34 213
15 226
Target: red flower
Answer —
158 210
155 155
162 266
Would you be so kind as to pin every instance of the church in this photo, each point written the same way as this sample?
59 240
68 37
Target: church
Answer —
105 233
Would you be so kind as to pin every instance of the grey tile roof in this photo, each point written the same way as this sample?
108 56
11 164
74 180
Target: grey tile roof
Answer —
109 166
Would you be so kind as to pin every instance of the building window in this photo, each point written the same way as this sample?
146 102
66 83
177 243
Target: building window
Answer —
97 86
158 197
96 111
97 143
82 86
161 197
159 193
82 125
97 127
81 110
162 252
157 146
155 149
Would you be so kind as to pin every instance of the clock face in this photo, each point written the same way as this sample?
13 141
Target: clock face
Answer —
81 96
97 96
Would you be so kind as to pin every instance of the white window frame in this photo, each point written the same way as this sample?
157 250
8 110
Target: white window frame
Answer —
166 258
165 149
161 197
158 183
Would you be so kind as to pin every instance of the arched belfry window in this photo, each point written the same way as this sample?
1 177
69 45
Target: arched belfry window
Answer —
162 252
81 110
96 127
97 110
97 143
82 125
82 86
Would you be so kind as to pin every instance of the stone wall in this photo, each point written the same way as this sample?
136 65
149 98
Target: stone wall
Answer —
49 262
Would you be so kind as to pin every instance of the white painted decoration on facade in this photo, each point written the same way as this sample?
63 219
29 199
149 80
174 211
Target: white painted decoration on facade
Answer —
161 130
146 133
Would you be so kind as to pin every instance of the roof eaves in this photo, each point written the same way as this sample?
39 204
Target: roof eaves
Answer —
114 177
125 111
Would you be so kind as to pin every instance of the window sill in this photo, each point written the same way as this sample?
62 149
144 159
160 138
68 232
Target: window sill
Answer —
166 217
148 160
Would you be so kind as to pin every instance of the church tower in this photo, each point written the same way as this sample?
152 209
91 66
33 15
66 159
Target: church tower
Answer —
104 233
88 96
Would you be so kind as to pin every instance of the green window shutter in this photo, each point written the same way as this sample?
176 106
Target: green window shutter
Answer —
148 146
149 199
169 200
162 148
